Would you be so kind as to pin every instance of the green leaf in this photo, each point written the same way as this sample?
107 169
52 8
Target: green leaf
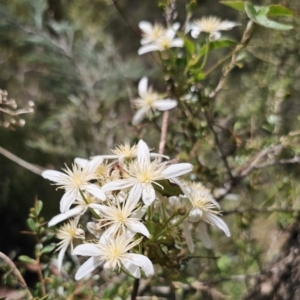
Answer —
39 206
26 259
279 10
48 248
189 46
31 224
238 5
260 18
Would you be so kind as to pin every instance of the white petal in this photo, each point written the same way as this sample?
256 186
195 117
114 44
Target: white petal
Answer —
148 48
95 191
111 230
67 200
92 165
170 33
117 185
195 214
176 170
164 104
81 162
218 222
214 36
139 116
88 267
176 26
143 153
177 43
112 156
188 237
195 32
143 87
139 213
139 227
54 175
227 25
141 261
133 197
132 269
70 213
148 194
87 250
202 234
61 255
146 27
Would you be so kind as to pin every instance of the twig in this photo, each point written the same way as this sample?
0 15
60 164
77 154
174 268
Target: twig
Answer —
164 131
17 273
259 210
33 168
245 39
135 289
219 146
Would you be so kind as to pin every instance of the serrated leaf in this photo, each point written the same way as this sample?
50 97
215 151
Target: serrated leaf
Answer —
39 206
26 259
279 10
31 224
48 248
238 5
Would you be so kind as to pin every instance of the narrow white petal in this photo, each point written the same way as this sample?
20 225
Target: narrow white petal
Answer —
146 27
141 261
117 185
87 250
202 234
213 219
88 267
61 255
177 43
67 200
108 233
214 36
95 191
112 156
61 217
139 116
227 25
54 175
81 162
164 104
148 194
170 33
139 227
148 48
139 213
176 170
188 237
134 196
176 26
143 86
143 153
92 165
195 33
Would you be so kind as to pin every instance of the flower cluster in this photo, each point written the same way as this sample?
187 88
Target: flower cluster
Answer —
125 193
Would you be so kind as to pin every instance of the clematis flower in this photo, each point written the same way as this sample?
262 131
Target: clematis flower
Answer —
142 173
211 25
151 33
162 43
112 252
75 180
66 234
203 210
122 217
148 101
80 208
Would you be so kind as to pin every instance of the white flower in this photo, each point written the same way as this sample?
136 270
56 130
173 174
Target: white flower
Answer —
78 210
151 33
66 234
74 181
113 252
211 25
149 100
204 209
122 217
164 42
143 173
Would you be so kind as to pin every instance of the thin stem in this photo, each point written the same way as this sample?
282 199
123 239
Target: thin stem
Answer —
96 216
164 131
17 273
135 289
205 54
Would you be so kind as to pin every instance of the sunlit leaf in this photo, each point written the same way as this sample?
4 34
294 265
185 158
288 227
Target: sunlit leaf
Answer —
48 249
26 259
238 5
279 10
39 206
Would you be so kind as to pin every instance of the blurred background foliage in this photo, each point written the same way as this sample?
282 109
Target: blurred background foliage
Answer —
78 62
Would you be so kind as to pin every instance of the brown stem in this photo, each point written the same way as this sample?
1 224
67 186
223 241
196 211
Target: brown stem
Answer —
135 289
17 273
164 131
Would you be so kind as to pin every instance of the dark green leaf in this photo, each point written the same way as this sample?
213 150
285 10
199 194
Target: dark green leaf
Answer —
31 224
238 5
189 46
39 206
279 10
